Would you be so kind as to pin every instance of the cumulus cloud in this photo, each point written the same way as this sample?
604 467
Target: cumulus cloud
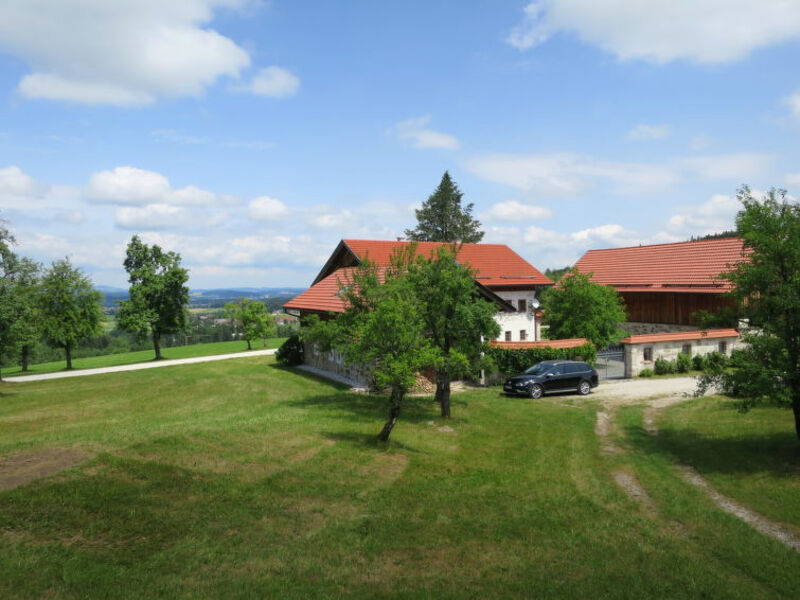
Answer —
716 214
151 216
703 31
273 82
513 210
567 174
325 217
793 102
737 167
15 182
133 186
118 53
265 208
415 130
648 132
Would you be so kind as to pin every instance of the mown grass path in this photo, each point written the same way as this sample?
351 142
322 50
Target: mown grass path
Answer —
239 479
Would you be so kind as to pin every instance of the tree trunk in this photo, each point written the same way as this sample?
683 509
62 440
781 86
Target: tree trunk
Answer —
157 345
443 392
25 359
394 414
249 347
68 350
796 407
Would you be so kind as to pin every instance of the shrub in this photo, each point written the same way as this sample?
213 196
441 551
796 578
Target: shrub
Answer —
511 362
698 362
291 352
646 373
664 366
683 363
715 361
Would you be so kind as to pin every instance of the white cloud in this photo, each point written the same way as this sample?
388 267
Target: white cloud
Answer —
700 142
792 179
132 186
15 183
265 208
415 131
73 217
326 218
793 102
273 82
152 216
648 132
716 214
737 167
704 31
513 210
566 174
119 53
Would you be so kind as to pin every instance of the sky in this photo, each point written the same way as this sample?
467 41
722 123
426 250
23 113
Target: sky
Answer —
251 136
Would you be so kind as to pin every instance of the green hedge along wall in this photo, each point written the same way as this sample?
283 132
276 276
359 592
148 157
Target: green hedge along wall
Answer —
511 362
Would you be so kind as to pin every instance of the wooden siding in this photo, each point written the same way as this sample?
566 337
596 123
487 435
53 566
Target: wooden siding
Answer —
673 309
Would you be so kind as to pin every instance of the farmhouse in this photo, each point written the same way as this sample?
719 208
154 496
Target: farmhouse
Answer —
501 275
665 286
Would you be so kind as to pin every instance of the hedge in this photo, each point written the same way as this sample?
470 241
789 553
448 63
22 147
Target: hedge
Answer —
511 362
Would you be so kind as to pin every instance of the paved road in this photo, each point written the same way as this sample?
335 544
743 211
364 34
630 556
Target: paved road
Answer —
140 366
626 391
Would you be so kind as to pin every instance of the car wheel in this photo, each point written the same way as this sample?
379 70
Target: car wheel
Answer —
536 391
584 388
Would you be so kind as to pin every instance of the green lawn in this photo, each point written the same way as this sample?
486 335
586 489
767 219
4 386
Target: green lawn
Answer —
240 479
127 358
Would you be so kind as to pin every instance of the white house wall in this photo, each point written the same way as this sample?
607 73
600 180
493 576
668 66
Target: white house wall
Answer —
518 321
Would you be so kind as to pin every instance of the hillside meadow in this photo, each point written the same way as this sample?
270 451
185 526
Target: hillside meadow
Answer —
241 479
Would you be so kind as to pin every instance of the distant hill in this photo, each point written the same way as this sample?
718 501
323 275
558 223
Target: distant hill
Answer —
211 297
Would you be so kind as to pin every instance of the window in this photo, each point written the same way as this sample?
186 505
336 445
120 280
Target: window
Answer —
648 354
687 349
575 368
557 370
723 347
522 305
523 335
508 336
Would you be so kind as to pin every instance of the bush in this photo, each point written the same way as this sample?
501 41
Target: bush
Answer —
664 366
646 373
291 352
511 362
698 362
683 364
715 361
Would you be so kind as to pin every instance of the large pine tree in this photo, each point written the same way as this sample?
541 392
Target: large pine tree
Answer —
443 219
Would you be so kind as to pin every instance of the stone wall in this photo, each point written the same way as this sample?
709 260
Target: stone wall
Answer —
634 353
333 363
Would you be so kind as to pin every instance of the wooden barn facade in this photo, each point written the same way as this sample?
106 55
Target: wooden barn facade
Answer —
667 284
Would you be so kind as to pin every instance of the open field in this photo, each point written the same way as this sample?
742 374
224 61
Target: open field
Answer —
241 479
128 358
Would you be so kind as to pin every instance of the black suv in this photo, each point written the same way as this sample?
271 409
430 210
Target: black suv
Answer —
552 376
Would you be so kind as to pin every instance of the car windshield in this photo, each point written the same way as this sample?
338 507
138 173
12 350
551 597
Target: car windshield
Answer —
539 369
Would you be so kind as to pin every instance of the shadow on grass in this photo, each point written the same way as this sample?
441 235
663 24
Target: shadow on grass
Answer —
368 440
370 407
777 454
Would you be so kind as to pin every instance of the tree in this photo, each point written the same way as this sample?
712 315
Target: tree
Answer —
456 318
443 219
27 326
381 328
767 290
253 318
578 307
158 295
69 307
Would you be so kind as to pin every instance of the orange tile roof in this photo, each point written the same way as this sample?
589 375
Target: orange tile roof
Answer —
681 336
568 343
678 267
496 264
324 295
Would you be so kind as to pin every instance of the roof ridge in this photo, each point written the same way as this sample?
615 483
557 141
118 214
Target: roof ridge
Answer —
686 242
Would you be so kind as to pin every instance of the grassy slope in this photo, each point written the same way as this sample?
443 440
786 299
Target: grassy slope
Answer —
241 479
127 358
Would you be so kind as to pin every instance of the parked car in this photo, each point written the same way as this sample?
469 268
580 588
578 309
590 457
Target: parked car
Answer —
552 376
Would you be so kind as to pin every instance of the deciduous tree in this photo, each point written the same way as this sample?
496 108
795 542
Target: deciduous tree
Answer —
578 307
443 219
253 317
158 294
70 307
767 289
456 317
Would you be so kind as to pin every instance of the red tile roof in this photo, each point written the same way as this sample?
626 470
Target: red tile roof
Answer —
324 295
681 336
679 267
569 343
496 264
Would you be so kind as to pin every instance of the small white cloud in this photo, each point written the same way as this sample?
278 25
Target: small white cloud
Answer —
793 102
736 167
15 182
415 131
151 217
132 186
273 82
332 219
704 31
792 179
716 214
648 132
265 208
513 210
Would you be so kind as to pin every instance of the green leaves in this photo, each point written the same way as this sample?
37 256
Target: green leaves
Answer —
578 307
253 317
443 219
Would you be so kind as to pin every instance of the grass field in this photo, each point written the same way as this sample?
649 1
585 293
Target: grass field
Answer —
244 480
127 358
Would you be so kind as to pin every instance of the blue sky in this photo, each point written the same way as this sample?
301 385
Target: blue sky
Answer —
251 136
